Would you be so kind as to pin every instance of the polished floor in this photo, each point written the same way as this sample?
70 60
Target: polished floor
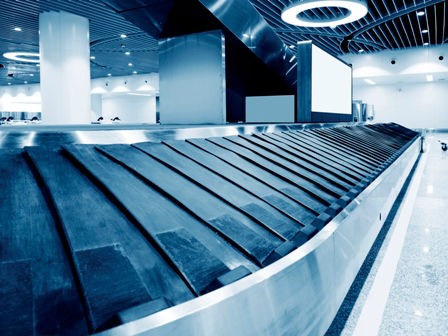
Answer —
405 291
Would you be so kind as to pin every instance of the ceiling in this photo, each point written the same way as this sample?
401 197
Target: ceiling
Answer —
107 46
388 25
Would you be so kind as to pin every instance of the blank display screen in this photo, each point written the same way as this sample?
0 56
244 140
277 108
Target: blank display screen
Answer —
331 84
270 109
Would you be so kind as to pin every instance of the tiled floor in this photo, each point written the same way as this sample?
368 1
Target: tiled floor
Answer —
417 297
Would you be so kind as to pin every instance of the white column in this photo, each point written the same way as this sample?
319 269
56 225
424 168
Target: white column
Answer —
64 68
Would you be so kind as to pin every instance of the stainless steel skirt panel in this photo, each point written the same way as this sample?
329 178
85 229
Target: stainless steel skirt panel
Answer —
41 135
299 294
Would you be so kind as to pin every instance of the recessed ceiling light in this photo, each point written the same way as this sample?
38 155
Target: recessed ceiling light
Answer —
424 31
9 83
31 75
25 82
127 53
291 46
356 10
130 64
426 43
18 29
23 56
92 57
369 81
134 72
421 13
361 50
109 74
123 36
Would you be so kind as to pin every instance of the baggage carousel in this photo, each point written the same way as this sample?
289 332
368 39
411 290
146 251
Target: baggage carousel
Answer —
228 231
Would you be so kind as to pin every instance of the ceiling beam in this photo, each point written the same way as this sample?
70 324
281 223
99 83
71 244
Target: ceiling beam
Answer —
395 15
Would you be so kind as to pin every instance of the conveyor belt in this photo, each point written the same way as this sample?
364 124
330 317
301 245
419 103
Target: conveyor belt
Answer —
100 235
296 194
324 153
248 183
37 288
246 234
320 146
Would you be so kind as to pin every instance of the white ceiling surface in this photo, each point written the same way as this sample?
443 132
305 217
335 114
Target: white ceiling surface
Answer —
411 66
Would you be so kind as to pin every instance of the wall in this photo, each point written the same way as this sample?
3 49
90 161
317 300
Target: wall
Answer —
412 92
411 65
20 98
130 108
96 106
415 105
131 98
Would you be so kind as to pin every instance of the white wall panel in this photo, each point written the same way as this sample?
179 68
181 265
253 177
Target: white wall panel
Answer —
130 108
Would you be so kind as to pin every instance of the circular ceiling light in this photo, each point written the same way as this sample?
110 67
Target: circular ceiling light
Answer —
350 10
23 56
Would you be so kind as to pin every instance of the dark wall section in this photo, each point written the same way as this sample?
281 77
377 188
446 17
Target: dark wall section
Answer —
247 75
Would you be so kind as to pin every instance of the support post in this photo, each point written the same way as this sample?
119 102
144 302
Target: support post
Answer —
64 68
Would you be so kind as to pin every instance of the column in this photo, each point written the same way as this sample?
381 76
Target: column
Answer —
304 81
64 68
193 79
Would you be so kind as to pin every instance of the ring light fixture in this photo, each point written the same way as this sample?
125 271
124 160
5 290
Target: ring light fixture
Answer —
355 10
23 56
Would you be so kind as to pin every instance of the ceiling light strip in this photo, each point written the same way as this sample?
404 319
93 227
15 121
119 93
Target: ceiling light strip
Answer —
22 56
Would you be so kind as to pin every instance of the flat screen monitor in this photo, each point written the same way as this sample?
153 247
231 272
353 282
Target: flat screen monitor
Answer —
331 84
